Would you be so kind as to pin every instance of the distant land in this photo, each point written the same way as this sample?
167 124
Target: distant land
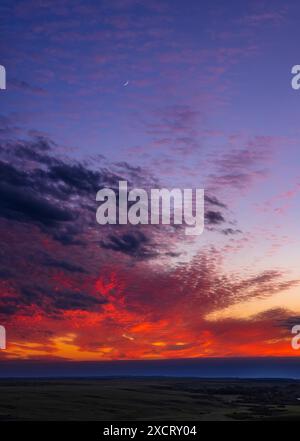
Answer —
149 399
265 367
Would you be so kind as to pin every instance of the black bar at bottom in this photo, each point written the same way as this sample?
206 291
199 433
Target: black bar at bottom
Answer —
89 431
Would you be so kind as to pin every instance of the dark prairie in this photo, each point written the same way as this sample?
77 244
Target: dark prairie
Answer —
149 399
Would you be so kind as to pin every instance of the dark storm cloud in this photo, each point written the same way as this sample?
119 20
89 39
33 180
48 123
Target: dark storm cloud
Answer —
10 175
9 304
135 244
214 217
137 175
63 265
35 150
55 300
290 322
280 317
5 273
19 204
51 172
39 187
8 309
77 177
69 236
212 200
70 300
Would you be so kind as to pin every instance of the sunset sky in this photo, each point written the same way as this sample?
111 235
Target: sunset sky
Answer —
161 93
